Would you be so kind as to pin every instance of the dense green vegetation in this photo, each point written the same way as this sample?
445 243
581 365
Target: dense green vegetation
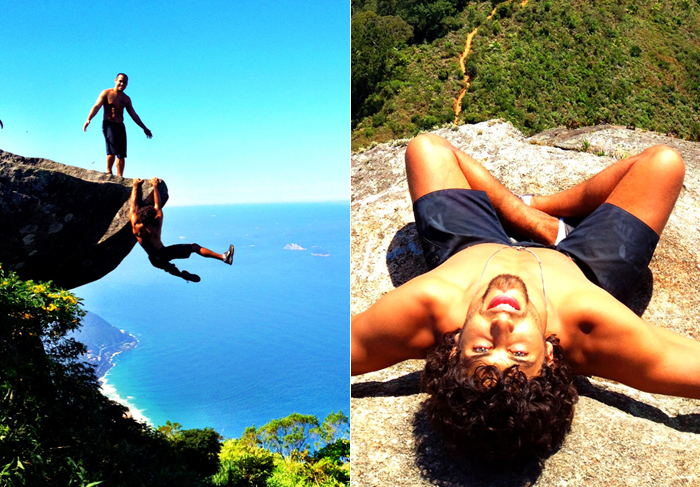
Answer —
278 454
56 427
546 64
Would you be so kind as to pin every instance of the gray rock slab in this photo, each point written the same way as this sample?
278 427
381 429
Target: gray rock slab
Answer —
63 223
620 436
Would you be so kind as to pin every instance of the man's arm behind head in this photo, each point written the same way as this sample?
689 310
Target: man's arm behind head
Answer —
620 346
403 324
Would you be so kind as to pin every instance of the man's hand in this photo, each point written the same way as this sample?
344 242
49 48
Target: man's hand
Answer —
85 126
137 181
154 182
148 133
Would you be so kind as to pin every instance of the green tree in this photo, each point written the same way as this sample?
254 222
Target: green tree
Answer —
199 449
170 430
338 451
243 465
372 40
334 427
56 427
289 436
322 473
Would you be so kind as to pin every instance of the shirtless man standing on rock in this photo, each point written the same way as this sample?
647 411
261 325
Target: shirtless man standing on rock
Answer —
114 101
147 223
504 325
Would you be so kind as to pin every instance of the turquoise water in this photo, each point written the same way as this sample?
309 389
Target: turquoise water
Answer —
251 342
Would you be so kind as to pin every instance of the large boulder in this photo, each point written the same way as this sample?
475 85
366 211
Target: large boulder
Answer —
620 436
64 223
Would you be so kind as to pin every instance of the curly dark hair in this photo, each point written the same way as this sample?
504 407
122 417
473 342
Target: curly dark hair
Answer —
146 214
498 416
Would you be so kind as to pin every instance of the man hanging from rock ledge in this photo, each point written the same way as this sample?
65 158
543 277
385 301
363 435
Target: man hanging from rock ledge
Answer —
114 101
504 324
147 223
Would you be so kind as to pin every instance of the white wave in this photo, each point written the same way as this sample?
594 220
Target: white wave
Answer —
111 392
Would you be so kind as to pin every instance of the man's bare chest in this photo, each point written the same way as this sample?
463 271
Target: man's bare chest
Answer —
116 101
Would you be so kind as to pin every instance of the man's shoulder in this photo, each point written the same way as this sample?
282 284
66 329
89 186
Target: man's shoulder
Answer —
437 296
435 286
586 313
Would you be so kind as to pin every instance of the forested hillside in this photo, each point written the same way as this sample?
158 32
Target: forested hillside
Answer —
538 64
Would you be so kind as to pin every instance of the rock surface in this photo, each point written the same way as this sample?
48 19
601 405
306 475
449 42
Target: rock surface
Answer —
620 436
63 223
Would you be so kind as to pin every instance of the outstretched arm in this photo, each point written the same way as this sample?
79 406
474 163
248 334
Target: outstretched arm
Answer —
622 347
403 324
156 196
135 118
95 108
135 200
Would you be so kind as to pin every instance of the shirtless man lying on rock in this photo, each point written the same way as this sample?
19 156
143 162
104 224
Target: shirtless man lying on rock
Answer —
147 223
504 325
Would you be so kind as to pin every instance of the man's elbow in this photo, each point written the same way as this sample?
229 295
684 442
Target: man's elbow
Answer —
359 367
358 357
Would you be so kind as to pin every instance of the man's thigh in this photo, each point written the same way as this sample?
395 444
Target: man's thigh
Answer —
432 165
613 248
179 251
651 186
451 220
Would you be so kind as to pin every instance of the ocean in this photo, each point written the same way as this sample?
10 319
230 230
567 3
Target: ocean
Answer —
251 342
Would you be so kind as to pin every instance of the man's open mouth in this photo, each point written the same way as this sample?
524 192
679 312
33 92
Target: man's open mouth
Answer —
503 302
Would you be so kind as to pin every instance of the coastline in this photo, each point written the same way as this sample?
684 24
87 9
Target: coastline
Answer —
103 360
106 363
111 393
104 342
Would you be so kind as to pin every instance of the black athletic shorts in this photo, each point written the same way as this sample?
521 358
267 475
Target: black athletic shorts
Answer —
115 138
161 258
611 246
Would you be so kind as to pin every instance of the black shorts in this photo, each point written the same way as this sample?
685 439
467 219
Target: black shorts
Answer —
611 246
161 258
115 138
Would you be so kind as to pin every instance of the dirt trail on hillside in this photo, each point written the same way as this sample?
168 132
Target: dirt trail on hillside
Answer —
462 64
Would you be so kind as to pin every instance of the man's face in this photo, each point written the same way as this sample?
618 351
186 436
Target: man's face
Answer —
504 328
120 83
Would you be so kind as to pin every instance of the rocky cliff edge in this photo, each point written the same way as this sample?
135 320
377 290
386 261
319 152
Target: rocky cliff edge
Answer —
63 223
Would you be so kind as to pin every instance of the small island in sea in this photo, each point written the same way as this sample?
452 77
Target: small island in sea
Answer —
319 252
293 246
103 342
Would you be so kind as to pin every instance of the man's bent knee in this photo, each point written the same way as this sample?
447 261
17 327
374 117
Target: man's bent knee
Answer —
424 143
426 151
667 161
432 165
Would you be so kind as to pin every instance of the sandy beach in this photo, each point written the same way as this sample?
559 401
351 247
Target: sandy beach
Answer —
111 392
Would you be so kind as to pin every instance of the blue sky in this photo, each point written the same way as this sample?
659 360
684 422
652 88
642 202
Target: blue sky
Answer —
248 101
